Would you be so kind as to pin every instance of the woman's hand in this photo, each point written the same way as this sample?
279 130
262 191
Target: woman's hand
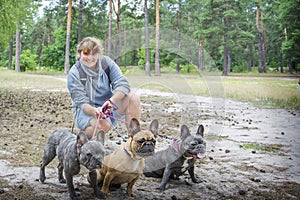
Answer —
108 107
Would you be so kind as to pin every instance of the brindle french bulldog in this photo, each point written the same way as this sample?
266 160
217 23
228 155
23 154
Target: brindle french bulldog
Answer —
126 164
177 158
72 151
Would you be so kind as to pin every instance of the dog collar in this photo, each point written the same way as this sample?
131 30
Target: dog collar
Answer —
128 154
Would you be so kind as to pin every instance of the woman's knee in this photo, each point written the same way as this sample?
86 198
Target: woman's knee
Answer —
134 98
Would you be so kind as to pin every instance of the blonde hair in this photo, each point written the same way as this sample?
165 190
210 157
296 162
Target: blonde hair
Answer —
88 45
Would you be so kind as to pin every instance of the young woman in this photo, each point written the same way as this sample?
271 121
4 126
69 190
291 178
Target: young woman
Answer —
96 82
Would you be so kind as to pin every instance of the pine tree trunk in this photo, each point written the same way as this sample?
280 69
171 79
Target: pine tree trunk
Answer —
290 64
42 49
260 58
261 41
229 60
264 54
10 55
125 45
201 56
250 59
157 37
226 48
281 63
119 49
178 35
225 62
79 21
67 53
109 29
147 65
18 50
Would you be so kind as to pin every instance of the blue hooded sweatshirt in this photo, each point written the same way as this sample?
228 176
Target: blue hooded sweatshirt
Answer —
98 88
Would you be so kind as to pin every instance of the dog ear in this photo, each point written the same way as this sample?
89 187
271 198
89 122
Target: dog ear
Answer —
185 132
81 139
134 127
154 127
200 130
101 136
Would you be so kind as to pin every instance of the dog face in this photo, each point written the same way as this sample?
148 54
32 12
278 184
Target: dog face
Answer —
142 143
91 152
193 145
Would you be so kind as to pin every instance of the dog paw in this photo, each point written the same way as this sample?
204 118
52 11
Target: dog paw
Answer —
42 177
62 180
100 195
197 180
73 196
160 188
105 191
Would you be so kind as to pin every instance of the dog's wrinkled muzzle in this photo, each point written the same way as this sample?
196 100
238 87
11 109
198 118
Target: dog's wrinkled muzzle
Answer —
94 163
146 149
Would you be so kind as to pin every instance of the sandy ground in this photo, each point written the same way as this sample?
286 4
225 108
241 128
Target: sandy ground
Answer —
267 170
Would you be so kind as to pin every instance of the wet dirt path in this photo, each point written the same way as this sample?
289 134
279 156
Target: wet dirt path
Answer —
252 152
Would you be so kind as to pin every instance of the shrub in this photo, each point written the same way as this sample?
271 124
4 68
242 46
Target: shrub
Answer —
27 61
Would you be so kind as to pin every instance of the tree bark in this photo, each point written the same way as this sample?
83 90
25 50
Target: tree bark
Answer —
80 8
261 41
281 63
11 46
147 64
178 36
157 37
290 64
109 28
250 59
119 44
42 49
260 58
125 45
201 55
225 63
67 53
229 60
18 50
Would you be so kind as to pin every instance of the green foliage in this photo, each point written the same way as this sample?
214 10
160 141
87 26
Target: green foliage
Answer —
239 67
54 55
274 65
290 21
15 13
185 67
27 61
201 20
142 55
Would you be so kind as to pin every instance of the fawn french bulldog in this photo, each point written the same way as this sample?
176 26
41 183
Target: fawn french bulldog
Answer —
126 164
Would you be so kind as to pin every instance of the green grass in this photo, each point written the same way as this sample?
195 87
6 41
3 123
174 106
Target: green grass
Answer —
262 90
263 147
21 80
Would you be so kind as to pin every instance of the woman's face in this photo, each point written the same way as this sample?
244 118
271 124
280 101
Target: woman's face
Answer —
89 59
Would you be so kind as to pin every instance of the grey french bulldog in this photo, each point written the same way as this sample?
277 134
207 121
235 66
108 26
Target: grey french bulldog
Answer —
178 158
73 151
